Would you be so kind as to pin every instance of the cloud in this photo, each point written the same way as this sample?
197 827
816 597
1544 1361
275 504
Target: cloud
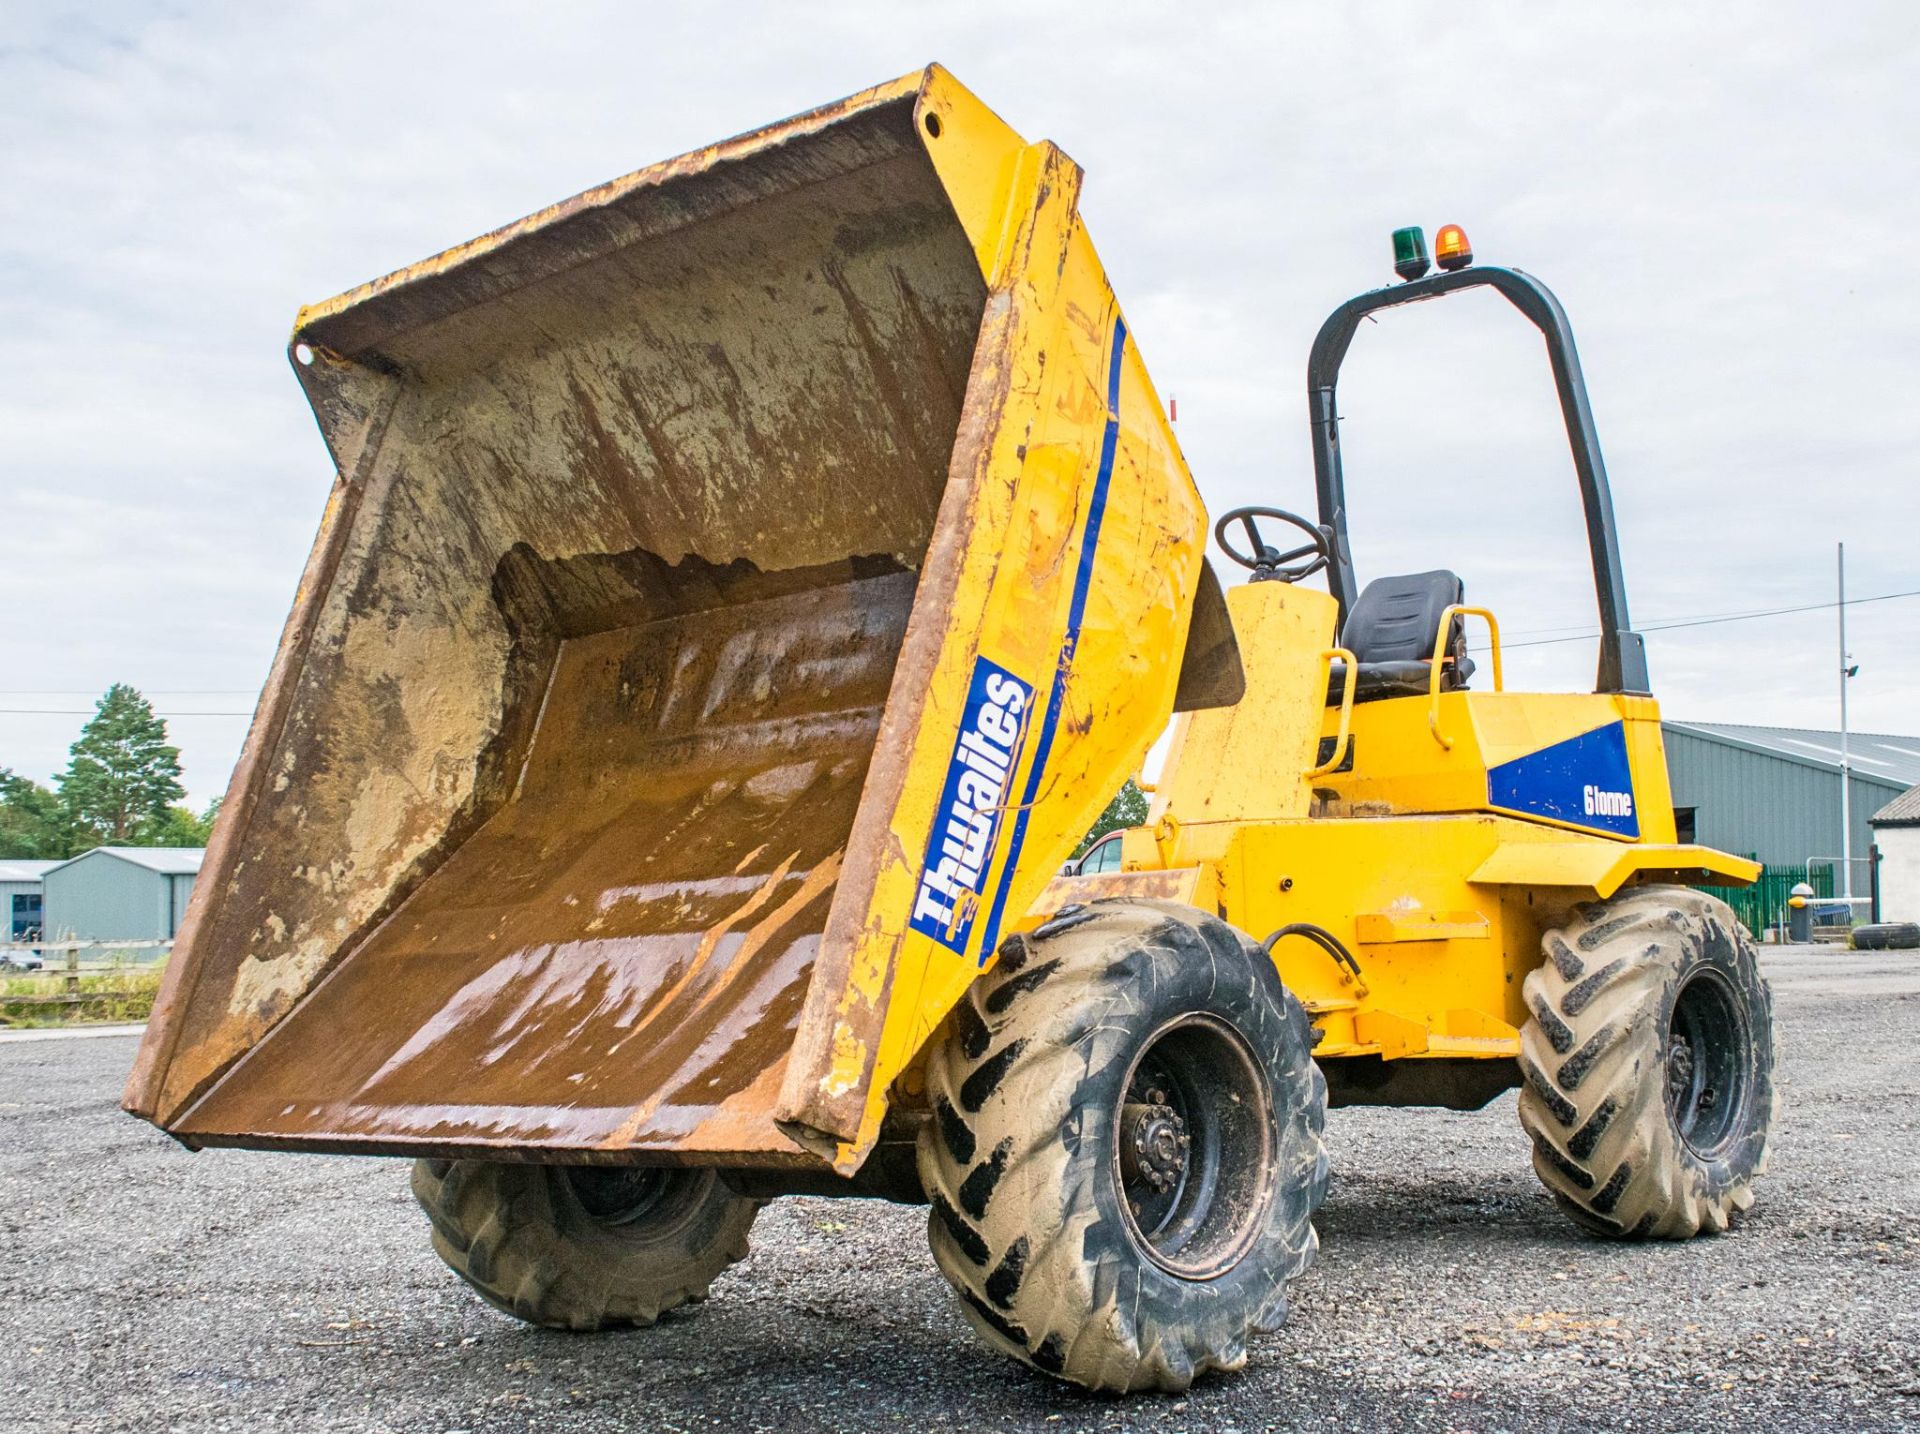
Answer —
1726 207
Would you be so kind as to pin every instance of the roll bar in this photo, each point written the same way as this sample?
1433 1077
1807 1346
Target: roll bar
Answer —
1623 655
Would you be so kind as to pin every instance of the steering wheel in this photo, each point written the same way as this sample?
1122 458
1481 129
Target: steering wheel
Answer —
1268 563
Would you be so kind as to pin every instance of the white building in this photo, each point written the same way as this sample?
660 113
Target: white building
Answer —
1896 831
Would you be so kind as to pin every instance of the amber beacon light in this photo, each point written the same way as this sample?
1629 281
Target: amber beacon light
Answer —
1451 249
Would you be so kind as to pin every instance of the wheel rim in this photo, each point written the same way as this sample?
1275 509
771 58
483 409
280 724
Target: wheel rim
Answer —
1707 1063
624 1195
1193 1145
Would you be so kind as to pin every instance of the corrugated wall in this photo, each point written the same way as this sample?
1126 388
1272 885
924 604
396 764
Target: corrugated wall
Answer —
1778 809
103 898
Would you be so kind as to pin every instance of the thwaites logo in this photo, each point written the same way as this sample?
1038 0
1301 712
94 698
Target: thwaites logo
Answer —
966 824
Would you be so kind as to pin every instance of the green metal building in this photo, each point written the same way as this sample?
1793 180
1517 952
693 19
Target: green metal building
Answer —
1773 793
120 893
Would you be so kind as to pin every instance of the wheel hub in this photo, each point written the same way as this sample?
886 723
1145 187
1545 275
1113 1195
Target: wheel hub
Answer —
1679 1070
1154 1143
619 1195
1193 1135
1707 1063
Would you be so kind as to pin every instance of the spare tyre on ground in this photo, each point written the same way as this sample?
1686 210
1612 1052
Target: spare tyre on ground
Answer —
1886 936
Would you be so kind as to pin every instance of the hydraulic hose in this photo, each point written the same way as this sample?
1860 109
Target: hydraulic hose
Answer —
1326 941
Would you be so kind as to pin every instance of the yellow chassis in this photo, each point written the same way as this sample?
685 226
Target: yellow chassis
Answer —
1396 841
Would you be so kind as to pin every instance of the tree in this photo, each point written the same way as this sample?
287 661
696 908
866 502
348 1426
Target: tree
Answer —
123 774
33 824
1127 809
180 827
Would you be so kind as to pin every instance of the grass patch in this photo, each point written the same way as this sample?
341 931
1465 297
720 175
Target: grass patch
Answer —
114 994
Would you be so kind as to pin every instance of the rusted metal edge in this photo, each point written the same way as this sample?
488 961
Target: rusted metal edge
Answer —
1178 883
148 1078
610 217
804 1111
509 1152
809 1115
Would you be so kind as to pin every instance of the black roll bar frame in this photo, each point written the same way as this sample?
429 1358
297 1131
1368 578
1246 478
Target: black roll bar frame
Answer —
1623 655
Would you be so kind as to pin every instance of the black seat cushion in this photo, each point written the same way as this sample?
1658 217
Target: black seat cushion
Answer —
1390 630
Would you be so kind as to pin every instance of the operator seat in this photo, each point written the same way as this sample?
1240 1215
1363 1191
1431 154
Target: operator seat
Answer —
1390 630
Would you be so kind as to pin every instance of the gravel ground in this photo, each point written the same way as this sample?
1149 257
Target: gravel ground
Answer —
143 1287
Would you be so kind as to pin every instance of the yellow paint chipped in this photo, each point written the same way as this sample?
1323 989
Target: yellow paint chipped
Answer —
849 1062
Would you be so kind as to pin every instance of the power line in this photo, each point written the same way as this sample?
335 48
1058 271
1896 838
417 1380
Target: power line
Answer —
1714 620
90 711
1582 629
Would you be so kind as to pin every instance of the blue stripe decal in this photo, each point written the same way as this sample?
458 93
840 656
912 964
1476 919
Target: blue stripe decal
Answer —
1076 610
1585 781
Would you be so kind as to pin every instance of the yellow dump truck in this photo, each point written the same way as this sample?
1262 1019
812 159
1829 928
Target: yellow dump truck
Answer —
743 584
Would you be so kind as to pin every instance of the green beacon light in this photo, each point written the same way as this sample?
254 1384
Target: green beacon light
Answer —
1410 252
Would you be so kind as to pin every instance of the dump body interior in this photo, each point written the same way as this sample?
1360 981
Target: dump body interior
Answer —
613 735
584 723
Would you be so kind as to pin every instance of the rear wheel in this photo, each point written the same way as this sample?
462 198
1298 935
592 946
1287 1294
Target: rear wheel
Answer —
1125 1151
580 1246
1648 1065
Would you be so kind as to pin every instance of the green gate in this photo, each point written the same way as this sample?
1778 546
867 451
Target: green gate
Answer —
1763 906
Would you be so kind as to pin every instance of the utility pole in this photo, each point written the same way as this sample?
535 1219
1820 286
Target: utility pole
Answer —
1846 760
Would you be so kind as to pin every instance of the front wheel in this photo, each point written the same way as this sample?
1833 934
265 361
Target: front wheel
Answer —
583 1247
1125 1152
1648 1065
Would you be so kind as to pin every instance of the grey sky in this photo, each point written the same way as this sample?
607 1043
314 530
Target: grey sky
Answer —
1725 198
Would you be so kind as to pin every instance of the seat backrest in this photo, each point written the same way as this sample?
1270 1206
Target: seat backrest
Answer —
1396 619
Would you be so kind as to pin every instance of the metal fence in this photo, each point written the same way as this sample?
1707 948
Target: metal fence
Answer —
49 961
1763 906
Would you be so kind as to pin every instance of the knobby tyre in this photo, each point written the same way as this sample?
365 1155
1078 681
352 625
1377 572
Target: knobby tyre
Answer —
583 1247
1125 1156
1648 1065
